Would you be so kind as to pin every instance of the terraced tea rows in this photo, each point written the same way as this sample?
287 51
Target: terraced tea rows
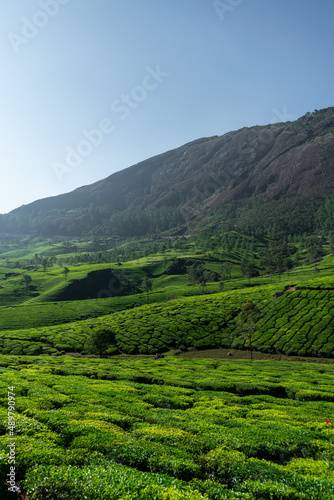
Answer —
167 429
197 321
298 322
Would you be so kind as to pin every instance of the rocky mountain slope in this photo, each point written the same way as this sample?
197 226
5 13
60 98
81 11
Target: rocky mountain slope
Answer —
208 173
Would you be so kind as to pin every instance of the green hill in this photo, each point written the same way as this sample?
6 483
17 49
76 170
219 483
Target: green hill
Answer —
199 288
299 321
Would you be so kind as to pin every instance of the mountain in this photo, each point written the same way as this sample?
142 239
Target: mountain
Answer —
196 180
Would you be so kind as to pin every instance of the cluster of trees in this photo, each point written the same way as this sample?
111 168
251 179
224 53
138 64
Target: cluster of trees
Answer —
94 220
253 254
277 258
290 214
273 252
324 217
142 222
198 275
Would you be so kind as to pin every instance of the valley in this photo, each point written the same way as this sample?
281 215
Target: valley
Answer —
229 410
164 346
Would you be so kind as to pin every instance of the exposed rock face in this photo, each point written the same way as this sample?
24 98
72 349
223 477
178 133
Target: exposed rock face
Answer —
212 171
300 158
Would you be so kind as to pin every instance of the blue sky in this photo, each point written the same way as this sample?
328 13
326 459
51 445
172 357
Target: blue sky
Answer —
89 87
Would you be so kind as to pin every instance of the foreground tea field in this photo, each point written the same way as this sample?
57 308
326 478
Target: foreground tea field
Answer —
168 429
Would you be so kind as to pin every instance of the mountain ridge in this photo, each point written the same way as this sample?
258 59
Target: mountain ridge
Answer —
206 174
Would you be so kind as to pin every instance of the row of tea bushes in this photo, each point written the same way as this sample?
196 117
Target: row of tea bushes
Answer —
197 321
298 322
172 428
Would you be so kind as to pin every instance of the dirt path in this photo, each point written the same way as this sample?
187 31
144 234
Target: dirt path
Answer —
217 354
238 354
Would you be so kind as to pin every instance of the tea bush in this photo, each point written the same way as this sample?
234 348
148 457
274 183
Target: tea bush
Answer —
170 428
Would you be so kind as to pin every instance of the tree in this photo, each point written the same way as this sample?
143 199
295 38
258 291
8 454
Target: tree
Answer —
280 265
226 270
193 273
147 285
247 269
100 341
246 322
66 271
331 244
44 264
52 261
27 280
315 270
197 274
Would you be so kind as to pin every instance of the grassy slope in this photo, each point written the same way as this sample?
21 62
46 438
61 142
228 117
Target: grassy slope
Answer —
297 323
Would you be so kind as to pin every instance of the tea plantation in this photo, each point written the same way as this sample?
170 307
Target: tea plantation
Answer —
167 429
118 424
43 311
297 322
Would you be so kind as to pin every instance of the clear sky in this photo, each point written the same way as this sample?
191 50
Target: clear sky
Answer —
89 87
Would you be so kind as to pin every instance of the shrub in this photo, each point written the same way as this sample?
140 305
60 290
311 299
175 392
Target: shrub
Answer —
100 341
